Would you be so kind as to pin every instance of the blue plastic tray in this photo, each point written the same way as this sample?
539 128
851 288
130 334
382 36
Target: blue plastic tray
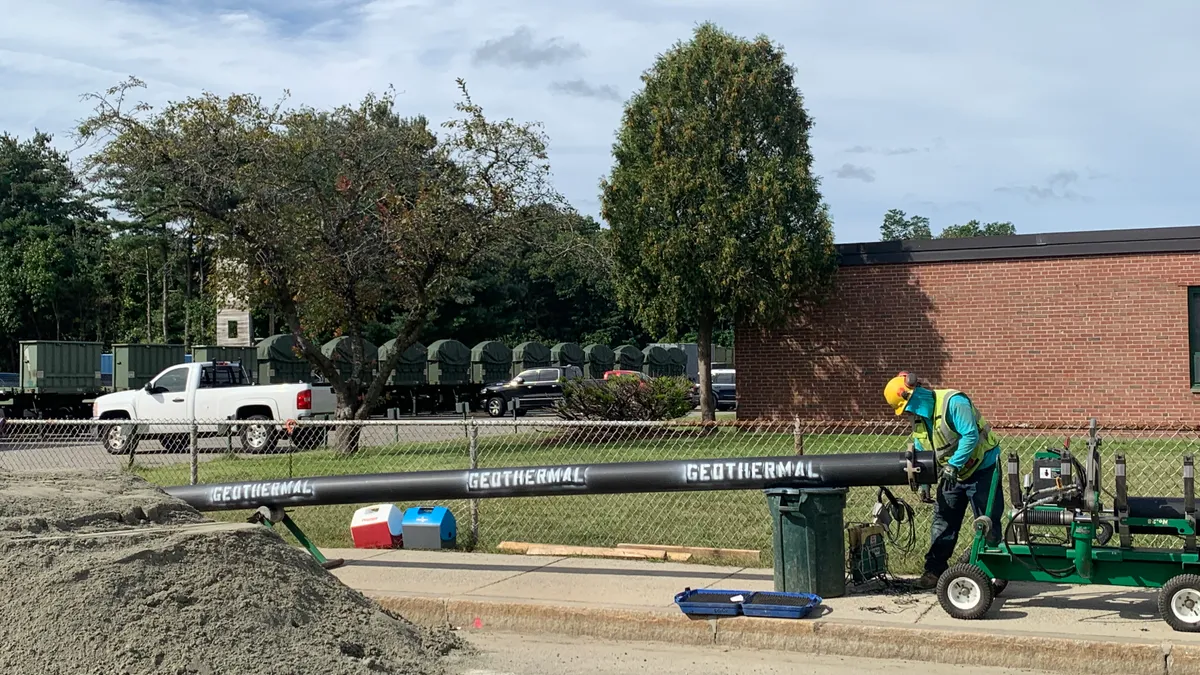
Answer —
710 601
768 604
780 605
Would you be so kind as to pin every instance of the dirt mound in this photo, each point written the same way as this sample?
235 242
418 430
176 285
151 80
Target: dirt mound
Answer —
105 574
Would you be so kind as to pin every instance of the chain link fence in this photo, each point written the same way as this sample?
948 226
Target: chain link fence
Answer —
174 452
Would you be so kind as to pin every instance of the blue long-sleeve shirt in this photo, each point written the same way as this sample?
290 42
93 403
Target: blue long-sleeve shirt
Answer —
962 420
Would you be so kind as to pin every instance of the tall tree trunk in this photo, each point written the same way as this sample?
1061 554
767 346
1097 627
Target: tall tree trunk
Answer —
187 291
203 279
708 411
349 437
166 254
149 294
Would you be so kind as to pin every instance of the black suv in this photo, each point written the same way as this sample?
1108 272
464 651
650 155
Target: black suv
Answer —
534 388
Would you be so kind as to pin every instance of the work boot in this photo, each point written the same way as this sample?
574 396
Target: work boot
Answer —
927 581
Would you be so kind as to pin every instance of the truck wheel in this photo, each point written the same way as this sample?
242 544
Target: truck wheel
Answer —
965 592
119 439
1179 603
259 438
495 406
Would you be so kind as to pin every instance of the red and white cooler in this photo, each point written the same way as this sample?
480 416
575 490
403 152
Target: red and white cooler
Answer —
377 526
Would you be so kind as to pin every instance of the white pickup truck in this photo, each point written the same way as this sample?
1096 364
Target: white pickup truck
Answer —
207 393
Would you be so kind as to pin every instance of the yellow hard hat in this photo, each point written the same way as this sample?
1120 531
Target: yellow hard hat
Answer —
897 391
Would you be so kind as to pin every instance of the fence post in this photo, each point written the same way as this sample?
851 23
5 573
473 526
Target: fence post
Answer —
194 442
473 435
797 436
133 430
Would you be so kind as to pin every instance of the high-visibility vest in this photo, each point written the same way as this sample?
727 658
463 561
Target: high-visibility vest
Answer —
945 439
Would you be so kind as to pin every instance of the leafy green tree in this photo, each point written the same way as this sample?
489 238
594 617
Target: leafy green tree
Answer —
899 226
714 209
330 214
555 285
973 228
51 247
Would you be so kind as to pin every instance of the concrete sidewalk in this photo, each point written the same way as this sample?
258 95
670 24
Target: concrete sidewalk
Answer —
1038 626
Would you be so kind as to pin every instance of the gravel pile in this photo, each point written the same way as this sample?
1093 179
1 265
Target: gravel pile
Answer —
107 575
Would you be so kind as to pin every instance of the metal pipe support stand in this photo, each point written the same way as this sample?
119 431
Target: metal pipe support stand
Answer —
268 515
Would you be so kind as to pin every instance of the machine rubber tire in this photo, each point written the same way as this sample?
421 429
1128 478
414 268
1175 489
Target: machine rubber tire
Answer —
270 441
998 585
965 592
124 447
1180 589
495 406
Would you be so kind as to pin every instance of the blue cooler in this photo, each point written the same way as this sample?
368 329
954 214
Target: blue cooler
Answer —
429 527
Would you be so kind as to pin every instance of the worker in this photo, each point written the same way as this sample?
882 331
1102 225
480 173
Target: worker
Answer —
946 422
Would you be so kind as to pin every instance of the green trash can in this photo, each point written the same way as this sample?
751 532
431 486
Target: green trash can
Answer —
810 551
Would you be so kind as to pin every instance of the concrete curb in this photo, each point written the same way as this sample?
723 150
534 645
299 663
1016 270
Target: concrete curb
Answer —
1060 654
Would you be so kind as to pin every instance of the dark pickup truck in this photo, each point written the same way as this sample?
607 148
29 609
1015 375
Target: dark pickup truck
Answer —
534 388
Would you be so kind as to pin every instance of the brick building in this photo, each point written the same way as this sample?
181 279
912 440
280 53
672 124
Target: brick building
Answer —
1049 328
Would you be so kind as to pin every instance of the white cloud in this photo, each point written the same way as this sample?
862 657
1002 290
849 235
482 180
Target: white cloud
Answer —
957 106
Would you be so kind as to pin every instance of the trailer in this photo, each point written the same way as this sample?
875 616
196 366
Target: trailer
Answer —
57 379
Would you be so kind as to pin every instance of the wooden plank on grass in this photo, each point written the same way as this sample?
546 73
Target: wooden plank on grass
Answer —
595 551
515 546
742 554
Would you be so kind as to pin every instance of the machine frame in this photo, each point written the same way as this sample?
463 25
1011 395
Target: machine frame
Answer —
967 589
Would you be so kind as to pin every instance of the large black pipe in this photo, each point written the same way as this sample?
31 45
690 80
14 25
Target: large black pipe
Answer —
740 473
1156 507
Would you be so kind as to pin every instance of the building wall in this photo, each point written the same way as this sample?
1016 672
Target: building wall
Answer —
1032 341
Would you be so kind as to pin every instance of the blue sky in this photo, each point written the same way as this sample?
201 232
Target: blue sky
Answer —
1056 116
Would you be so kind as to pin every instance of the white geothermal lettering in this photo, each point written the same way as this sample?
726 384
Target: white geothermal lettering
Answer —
722 471
549 476
262 490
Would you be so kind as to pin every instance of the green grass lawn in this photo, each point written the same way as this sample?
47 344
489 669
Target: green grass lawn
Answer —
729 519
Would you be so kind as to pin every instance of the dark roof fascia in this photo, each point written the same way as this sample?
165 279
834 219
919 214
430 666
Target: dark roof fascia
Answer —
1023 246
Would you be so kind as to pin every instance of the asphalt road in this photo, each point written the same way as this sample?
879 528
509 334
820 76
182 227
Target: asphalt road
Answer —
22 451
56 450
510 654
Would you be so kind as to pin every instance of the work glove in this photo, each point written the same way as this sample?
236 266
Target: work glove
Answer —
925 497
949 477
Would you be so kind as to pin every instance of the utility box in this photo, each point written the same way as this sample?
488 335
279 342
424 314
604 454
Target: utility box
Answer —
810 549
429 527
135 364
57 367
377 526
